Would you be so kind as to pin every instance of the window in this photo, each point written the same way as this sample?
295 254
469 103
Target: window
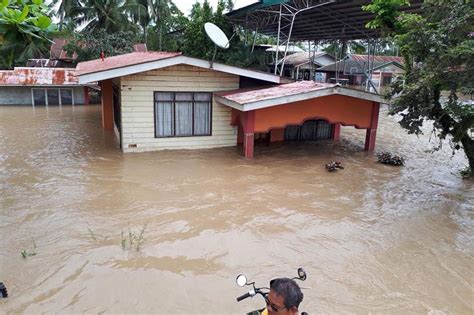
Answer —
39 96
66 97
52 96
182 114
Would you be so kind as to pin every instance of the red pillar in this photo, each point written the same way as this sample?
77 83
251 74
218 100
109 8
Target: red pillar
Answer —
372 131
107 105
248 145
249 130
277 134
86 95
240 134
336 132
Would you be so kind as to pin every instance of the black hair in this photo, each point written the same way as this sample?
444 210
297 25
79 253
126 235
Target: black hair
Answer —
289 290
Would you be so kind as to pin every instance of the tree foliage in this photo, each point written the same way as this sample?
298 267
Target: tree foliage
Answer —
438 48
25 31
89 45
197 43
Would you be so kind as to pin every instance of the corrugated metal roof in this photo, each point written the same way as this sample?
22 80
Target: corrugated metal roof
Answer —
38 76
302 57
57 51
336 19
291 48
245 96
348 66
381 59
120 61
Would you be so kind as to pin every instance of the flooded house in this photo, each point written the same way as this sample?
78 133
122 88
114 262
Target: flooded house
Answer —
352 70
41 86
166 100
302 65
44 81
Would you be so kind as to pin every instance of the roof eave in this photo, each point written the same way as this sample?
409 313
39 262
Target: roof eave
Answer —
336 90
171 61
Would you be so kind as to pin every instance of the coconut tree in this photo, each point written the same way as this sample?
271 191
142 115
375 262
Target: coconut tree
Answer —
109 15
67 9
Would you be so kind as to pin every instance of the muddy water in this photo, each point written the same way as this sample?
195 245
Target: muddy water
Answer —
372 238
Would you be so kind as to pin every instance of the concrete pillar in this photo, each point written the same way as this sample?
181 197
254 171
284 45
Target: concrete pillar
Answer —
277 134
371 133
240 134
336 132
107 104
370 139
248 145
86 95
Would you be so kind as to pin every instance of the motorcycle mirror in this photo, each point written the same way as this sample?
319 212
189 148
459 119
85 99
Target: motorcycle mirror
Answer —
301 274
241 280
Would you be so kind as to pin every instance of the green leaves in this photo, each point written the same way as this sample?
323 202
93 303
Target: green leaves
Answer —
89 45
25 31
386 13
438 48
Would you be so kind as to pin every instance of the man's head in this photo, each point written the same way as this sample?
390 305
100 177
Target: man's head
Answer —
284 298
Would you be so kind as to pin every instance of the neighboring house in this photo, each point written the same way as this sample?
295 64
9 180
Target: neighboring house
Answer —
298 66
58 57
351 70
270 51
44 81
164 100
41 86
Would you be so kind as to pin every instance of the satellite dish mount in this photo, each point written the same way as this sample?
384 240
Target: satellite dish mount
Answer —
218 37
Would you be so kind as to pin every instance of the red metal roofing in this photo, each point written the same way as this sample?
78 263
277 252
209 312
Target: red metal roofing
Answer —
38 76
376 58
245 96
57 52
120 61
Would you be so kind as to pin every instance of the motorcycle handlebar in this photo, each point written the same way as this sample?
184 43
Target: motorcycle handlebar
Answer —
243 297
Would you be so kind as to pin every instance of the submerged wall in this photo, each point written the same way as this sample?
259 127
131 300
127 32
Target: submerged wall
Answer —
21 95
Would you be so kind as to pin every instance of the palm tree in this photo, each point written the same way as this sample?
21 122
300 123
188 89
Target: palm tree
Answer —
110 15
161 10
66 10
139 12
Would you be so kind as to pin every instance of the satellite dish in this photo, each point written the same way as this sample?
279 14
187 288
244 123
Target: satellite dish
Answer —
216 35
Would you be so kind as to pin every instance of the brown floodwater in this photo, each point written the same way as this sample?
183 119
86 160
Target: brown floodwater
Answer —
372 238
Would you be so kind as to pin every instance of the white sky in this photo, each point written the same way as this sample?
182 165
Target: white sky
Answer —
186 5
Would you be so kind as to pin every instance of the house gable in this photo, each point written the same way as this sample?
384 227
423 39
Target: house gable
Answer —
114 72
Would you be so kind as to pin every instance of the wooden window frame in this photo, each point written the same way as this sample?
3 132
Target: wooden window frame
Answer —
174 114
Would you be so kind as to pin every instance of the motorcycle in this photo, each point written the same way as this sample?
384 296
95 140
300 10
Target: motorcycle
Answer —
241 281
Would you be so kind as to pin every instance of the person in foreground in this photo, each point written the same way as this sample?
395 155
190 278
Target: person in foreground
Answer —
284 297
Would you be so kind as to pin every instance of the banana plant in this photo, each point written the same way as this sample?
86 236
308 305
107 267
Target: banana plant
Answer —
25 31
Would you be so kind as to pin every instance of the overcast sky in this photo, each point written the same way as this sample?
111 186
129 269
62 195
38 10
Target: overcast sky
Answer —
186 5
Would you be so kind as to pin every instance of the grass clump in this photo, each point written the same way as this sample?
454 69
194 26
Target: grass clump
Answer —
134 239
28 253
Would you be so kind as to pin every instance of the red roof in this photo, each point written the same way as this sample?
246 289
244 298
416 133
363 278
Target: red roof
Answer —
57 52
120 61
38 76
244 96
383 59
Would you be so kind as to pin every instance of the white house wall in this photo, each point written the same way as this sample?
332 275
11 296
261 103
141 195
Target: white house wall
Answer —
138 128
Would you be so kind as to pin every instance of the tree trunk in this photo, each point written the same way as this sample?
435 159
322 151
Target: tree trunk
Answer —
468 145
61 20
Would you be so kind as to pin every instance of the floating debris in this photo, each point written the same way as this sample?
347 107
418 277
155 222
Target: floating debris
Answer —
334 166
389 159
3 291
